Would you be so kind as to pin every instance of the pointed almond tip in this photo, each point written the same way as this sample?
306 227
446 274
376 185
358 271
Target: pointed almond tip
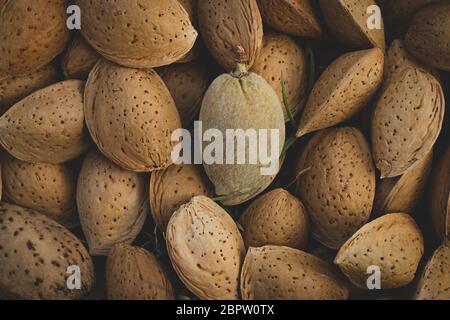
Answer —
302 132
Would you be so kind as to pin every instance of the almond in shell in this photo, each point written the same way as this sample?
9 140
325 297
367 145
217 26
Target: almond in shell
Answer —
79 59
191 8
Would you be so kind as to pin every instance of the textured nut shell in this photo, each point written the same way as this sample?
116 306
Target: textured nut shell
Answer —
28 43
393 242
281 56
79 59
402 194
343 89
282 273
245 103
400 12
191 8
275 218
347 19
407 120
15 88
187 84
435 281
131 116
138 34
112 203
428 38
338 185
174 186
46 188
48 125
206 249
294 17
228 25
133 273
440 197
35 253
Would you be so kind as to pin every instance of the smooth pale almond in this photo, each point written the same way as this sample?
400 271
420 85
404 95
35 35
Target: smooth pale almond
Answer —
48 125
337 184
206 249
79 59
133 273
345 87
275 218
112 203
296 17
407 121
283 273
393 242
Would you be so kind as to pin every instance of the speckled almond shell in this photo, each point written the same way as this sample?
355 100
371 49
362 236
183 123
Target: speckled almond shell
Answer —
32 33
434 283
226 25
79 59
15 88
399 13
402 194
187 84
191 8
281 56
393 242
138 33
133 273
407 120
46 188
439 200
428 38
48 125
243 103
131 116
338 184
35 254
112 203
343 89
295 17
275 218
282 273
174 186
347 20
206 249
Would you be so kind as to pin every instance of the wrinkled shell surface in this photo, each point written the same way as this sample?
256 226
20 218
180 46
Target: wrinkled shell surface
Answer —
206 249
393 242
338 184
79 59
131 116
112 203
133 273
35 253
282 273
275 218
48 125
138 33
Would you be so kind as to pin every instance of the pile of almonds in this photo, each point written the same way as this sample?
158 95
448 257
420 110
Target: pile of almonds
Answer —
94 207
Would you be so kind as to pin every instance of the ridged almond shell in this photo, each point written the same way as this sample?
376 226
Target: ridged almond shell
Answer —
282 58
112 203
348 21
138 34
32 34
428 37
35 254
407 121
434 283
174 186
343 89
133 273
275 218
282 273
337 184
206 249
393 242
79 59
131 116
47 126
46 188
226 25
